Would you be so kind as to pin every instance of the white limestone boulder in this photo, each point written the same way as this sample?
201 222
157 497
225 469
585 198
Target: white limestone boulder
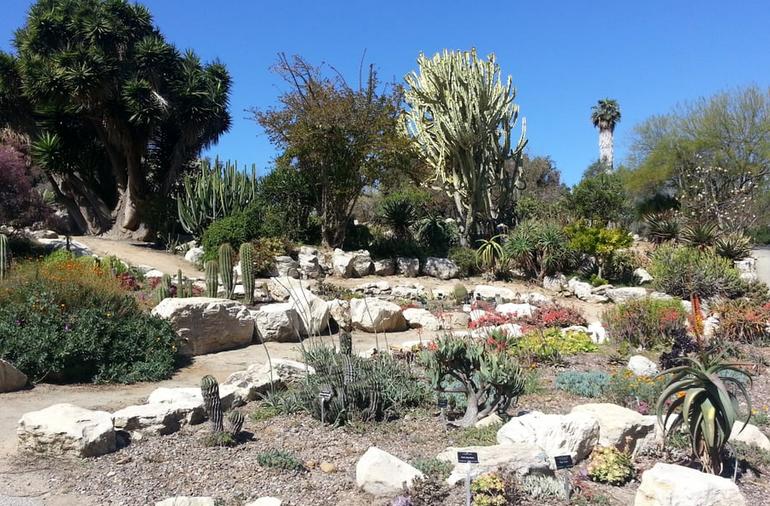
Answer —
158 418
312 310
493 293
626 293
556 283
194 255
672 485
339 310
384 267
362 263
421 318
750 435
260 378
383 475
278 322
286 266
515 310
642 366
342 263
574 434
441 268
65 430
642 276
376 315
207 325
519 458
408 267
618 426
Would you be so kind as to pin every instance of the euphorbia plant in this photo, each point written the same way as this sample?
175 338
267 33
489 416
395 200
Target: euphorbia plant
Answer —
705 398
489 377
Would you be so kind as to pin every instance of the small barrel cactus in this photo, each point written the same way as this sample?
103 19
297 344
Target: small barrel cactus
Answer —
212 403
235 421
226 254
212 278
247 271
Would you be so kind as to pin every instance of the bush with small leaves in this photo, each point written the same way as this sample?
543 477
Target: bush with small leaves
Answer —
434 467
428 491
610 465
491 489
646 323
684 272
465 260
279 459
539 486
583 383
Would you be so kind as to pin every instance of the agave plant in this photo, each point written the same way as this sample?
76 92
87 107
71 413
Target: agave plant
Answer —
662 227
733 246
700 235
490 255
398 214
702 395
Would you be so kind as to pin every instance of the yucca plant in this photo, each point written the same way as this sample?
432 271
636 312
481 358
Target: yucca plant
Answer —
398 214
703 396
733 246
700 235
662 227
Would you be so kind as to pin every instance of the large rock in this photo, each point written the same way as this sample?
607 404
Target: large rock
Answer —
414 291
187 501
441 268
260 378
421 318
309 262
281 287
519 458
278 322
584 291
158 418
493 293
597 332
376 315
626 293
574 434
207 325
194 255
189 400
339 310
672 485
750 434
384 267
313 311
555 283
618 426
515 310
66 430
375 288
642 366
362 263
342 263
286 266
383 475
408 267
11 379
642 276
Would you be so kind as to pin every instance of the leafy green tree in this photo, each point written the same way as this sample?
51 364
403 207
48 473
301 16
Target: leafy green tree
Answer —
605 115
115 111
543 194
600 199
598 242
341 139
461 116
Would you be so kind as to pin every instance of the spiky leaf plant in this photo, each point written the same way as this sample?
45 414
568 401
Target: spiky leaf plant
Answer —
398 214
705 395
700 234
662 227
490 256
733 246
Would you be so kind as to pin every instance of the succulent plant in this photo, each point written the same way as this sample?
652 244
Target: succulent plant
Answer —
247 271
180 284
212 403
163 291
212 278
226 254
346 343
235 421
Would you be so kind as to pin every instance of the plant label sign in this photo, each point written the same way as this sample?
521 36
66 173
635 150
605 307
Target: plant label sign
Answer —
563 461
467 457
325 395
442 403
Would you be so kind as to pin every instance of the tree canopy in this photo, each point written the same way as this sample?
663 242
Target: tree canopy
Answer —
114 110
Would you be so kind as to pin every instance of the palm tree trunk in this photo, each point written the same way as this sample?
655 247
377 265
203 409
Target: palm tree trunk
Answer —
605 147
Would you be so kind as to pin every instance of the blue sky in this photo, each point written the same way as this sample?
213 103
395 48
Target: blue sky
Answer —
563 55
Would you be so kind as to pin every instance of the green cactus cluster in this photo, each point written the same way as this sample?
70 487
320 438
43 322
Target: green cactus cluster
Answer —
226 255
163 291
216 191
212 278
212 405
246 254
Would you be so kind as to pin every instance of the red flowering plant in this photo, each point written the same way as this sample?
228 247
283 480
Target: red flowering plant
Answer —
554 315
491 320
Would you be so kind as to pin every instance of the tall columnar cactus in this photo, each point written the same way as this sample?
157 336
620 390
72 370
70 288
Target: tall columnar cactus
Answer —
215 192
179 284
5 257
164 289
212 278
212 403
188 288
247 271
346 343
461 116
226 254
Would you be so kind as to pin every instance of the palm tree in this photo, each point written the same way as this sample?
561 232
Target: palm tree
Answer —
605 115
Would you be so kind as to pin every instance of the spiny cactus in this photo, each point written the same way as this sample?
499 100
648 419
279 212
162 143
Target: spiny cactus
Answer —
226 269
5 257
188 288
179 284
235 421
164 289
212 278
247 271
346 343
212 403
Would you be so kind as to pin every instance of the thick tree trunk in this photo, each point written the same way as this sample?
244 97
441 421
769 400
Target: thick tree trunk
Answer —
87 210
605 147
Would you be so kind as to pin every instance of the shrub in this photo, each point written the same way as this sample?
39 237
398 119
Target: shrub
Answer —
491 489
620 268
646 323
610 465
279 459
367 389
708 408
683 345
398 212
634 392
465 259
70 321
662 227
743 322
585 384
538 485
436 235
600 243
700 235
265 251
683 272
733 246
428 491
554 315
434 467
235 230
478 436
538 248
599 198
539 345
20 204
489 377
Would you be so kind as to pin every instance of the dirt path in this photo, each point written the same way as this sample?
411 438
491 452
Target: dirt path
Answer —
141 253
763 263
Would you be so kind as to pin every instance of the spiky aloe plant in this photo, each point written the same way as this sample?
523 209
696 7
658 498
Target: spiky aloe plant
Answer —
212 403
704 393
246 254
212 278
226 254
5 254
490 254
